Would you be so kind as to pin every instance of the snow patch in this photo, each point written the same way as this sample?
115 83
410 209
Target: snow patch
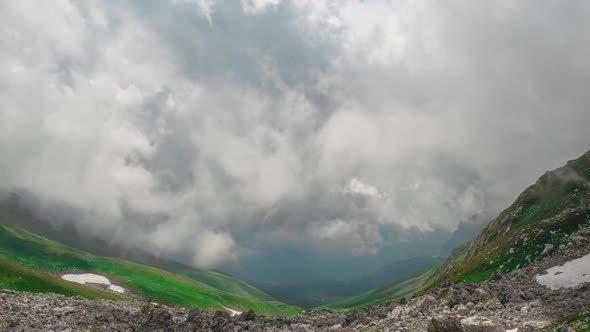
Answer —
91 278
233 312
568 275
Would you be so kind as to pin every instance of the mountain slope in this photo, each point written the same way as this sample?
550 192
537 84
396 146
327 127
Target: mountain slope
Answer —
536 224
21 278
401 288
36 252
314 294
15 207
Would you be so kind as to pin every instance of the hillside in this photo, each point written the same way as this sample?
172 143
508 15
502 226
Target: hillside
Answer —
18 277
15 210
538 224
47 256
535 225
401 288
319 293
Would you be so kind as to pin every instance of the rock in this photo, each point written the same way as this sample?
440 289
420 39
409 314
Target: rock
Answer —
481 324
160 320
397 312
444 324
425 304
532 326
461 309
547 249
248 315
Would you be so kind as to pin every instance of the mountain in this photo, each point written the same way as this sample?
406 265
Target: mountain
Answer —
18 277
320 293
189 287
18 208
465 232
401 288
538 224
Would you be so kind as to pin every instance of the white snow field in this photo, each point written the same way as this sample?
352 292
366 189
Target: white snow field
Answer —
91 278
568 275
233 312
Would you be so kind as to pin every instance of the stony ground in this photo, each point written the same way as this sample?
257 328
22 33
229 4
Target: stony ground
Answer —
515 302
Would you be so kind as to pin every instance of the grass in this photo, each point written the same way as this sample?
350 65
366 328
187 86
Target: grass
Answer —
579 319
545 213
394 291
416 284
556 206
41 254
21 278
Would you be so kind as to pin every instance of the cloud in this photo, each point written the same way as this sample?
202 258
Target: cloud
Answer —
161 130
258 6
205 7
361 237
356 187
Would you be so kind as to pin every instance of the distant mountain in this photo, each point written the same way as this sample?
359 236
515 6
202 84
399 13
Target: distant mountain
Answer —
323 292
401 288
39 260
465 232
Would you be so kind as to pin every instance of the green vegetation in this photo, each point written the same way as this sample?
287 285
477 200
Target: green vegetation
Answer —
545 213
212 278
394 291
18 277
580 320
415 284
38 253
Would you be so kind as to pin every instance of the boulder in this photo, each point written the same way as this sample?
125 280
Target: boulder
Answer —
444 324
481 324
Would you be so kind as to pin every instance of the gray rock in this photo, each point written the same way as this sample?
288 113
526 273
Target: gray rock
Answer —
481 324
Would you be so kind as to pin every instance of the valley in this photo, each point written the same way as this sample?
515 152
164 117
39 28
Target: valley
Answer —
527 270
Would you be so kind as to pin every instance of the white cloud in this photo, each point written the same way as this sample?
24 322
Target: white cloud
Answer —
356 187
206 7
358 236
258 6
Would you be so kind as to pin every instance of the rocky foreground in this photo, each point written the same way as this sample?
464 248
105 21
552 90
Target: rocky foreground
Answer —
507 302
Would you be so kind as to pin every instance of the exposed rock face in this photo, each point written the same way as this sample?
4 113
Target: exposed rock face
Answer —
515 302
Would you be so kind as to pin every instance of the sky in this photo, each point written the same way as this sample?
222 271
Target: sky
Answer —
226 132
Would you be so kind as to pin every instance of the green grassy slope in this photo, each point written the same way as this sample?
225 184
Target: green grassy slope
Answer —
212 278
579 322
388 293
402 288
554 207
18 277
547 212
28 249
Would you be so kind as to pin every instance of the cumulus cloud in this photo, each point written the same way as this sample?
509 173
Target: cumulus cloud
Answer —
325 123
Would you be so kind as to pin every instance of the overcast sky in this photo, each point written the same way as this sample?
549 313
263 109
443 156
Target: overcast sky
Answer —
215 130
